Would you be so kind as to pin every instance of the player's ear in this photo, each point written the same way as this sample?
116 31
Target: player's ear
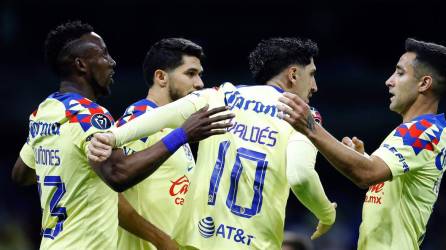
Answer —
293 74
80 65
160 77
425 83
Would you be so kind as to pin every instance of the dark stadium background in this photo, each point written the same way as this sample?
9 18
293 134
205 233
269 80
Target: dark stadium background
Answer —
360 43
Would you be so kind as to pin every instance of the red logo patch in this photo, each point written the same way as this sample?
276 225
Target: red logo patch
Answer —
179 188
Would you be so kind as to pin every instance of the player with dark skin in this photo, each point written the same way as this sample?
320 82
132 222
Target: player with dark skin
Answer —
85 67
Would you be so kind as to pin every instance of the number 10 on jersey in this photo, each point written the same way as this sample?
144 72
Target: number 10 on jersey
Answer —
236 172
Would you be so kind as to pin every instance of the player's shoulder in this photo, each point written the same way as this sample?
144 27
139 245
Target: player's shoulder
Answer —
253 88
48 107
424 132
80 110
134 110
207 91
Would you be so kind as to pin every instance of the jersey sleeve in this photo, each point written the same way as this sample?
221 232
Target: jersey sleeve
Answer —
27 155
171 115
401 156
83 131
304 180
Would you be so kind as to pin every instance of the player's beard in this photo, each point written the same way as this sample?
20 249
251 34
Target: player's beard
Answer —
101 90
174 94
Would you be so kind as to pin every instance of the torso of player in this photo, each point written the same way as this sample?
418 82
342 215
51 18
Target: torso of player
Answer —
396 212
160 197
79 209
239 189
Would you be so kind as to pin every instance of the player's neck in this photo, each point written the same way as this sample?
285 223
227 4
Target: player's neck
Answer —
421 106
158 97
70 85
277 83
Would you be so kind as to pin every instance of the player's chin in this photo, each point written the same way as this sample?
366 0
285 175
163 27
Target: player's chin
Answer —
393 107
106 90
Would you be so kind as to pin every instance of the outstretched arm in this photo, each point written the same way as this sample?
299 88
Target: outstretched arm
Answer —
121 172
361 170
171 115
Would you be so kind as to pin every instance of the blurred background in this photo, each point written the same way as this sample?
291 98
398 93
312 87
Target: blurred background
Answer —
360 43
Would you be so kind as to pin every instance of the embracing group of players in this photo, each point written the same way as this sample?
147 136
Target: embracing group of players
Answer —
134 184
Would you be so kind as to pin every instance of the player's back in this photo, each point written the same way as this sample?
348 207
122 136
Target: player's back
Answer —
239 189
79 211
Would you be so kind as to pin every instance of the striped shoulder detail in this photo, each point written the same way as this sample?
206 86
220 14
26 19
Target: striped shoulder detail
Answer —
79 109
136 109
422 133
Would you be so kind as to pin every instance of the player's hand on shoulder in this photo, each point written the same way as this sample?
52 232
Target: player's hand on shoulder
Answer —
354 143
204 123
296 112
322 228
100 147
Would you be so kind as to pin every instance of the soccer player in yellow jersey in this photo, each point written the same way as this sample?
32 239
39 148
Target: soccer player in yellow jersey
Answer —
172 69
79 210
240 186
404 173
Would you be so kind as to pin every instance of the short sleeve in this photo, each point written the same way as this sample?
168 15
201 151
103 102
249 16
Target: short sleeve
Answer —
400 156
83 131
27 155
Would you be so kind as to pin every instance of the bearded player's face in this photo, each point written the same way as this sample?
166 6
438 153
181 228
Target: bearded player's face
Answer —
304 81
185 78
403 84
100 64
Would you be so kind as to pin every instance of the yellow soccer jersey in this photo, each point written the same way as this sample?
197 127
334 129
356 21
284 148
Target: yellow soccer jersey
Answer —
79 211
160 197
239 189
396 212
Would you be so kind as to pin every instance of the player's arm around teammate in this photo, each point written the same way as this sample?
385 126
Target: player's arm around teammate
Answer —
362 170
121 172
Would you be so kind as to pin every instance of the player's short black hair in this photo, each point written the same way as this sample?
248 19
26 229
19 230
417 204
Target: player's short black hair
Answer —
167 54
57 41
273 55
430 59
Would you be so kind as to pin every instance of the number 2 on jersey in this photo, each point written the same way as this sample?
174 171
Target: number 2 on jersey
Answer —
236 172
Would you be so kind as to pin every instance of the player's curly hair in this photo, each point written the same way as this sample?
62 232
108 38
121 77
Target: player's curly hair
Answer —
273 55
167 54
431 60
57 40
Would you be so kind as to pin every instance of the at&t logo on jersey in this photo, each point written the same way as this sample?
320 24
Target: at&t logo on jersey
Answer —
179 188
207 229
